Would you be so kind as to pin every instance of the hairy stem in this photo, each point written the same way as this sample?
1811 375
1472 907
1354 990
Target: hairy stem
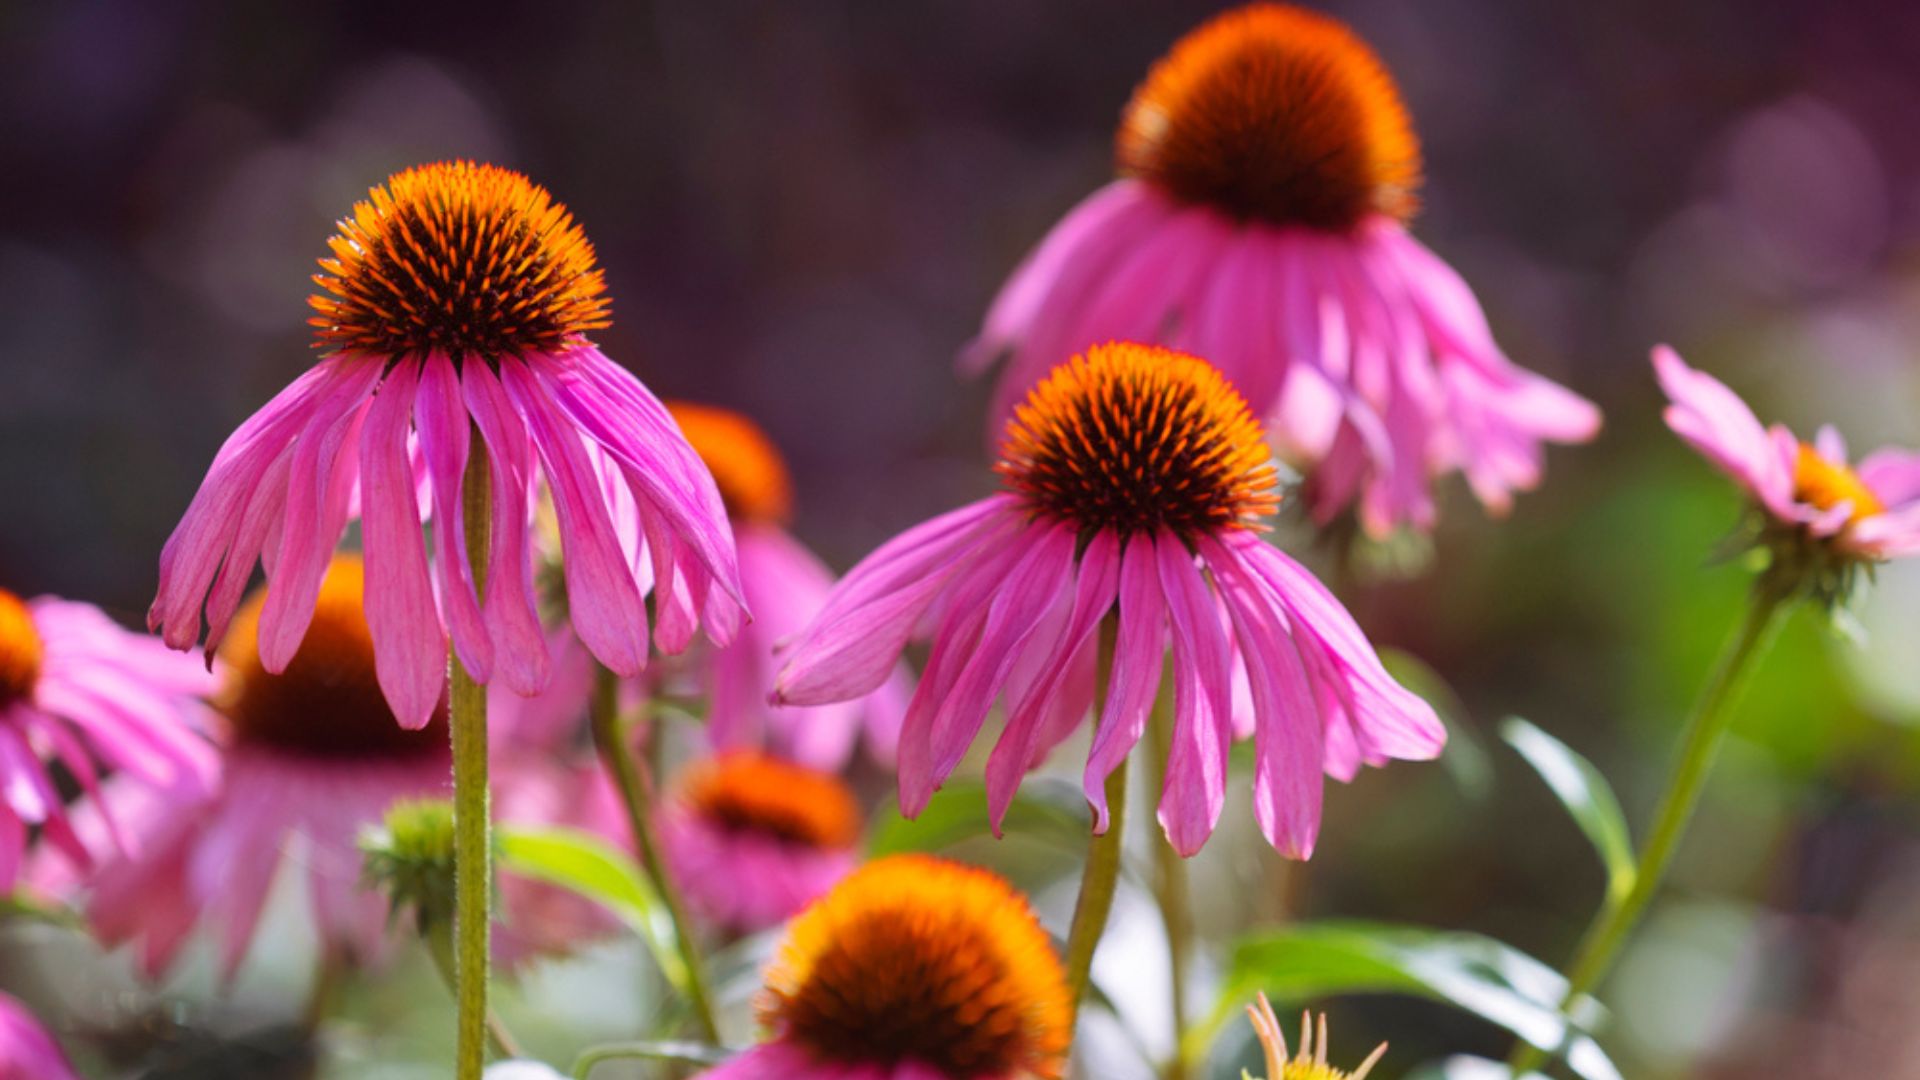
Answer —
472 842
1101 875
1170 890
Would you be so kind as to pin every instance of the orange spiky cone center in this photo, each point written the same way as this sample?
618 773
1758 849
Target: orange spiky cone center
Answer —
21 651
753 793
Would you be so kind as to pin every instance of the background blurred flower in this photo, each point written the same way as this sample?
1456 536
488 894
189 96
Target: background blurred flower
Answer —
1268 169
913 968
785 584
439 331
75 688
752 839
1310 1063
311 756
1134 477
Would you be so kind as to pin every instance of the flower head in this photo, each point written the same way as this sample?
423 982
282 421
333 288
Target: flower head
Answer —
1310 1063
752 839
312 755
1275 113
784 583
1817 505
27 1051
1267 169
913 967
1132 479
462 259
79 691
455 300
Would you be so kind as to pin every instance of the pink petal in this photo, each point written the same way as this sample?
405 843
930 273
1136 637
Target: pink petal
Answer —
1203 706
409 646
1138 655
512 616
440 419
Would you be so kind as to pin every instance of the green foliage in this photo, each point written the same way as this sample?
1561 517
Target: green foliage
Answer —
1050 810
1471 972
1585 793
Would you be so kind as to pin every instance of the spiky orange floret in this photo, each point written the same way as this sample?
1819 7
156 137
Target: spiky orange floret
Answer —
327 703
750 792
20 650
471 260
746 466
1274 113
1136 438
1826 484
917 958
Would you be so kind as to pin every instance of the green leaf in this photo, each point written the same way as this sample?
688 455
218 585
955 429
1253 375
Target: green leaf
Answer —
1472 972
1586 795
1049 809
585 864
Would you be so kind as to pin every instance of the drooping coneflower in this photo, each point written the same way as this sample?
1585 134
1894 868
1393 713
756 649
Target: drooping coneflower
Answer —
912 968
1808 491
752 839
77 689
785 584
312 755
27 1051
1268 169
454 310
1135 478
1310 1063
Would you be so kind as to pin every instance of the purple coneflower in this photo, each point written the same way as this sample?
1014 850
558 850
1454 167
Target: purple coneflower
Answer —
1135 477
454 310
751 839
1268 169
76 689
312 755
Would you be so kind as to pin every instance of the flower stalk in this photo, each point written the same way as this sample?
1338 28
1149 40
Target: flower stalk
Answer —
1706 730
609 738
1170 890
472 839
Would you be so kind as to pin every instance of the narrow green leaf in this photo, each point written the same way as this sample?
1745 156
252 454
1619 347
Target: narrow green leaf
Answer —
1585 793
1474 973
585 864
1050 809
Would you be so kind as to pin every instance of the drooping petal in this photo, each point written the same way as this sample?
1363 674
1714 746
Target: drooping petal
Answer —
1138 655
440 419
512 614
409 646
1717 423
1196 780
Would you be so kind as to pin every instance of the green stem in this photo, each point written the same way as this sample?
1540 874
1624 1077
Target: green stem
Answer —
609 736
1101 875
1706 730
472 842
1170 891
440 948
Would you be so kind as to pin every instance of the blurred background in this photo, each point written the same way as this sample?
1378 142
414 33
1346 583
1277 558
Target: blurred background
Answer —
804 209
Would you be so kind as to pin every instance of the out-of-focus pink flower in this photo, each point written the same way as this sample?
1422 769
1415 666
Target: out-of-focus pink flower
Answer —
536 918
441 336
312 756
1135 477
77 689
913 968
1268 168
752 839
785 585
1869 512
27 1051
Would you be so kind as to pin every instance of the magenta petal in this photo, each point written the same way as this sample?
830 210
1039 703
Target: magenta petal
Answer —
1196 780
320 481
1096 584
440 419
1138 655
1718 424
605 602
409 646
1287 785
857 637
512 615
